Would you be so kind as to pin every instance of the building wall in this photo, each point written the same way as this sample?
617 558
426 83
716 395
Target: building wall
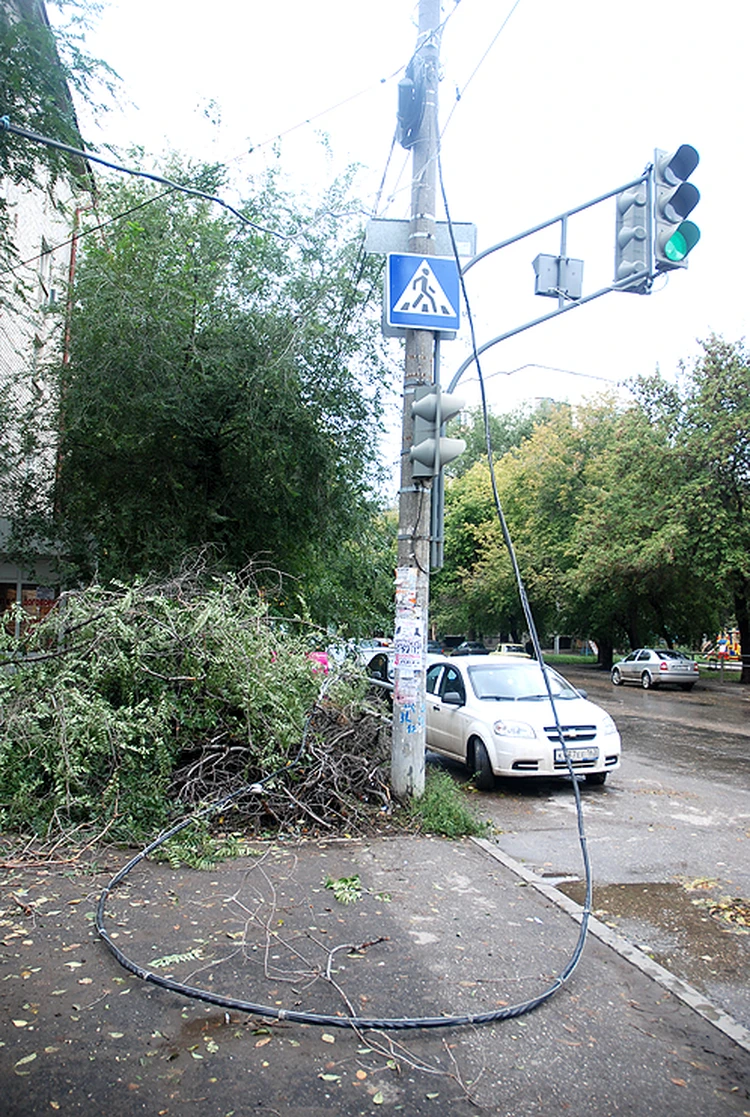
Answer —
32 337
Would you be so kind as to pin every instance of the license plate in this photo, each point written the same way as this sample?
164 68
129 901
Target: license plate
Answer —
576 754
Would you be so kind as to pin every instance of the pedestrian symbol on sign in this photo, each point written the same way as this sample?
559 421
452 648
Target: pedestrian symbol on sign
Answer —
427 291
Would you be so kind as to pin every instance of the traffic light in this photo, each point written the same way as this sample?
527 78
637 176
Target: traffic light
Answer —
674 199
633 239
411 103
432 407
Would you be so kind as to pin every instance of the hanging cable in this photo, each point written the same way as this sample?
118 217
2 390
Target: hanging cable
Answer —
47 141
527 612
85 232
473 74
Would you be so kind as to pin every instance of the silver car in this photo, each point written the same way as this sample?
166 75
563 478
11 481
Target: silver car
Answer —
652 667
493 714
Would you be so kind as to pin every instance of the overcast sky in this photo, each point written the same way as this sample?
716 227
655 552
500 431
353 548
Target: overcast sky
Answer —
570 102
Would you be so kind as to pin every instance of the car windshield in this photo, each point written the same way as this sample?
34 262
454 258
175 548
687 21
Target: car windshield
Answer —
516 682
667 653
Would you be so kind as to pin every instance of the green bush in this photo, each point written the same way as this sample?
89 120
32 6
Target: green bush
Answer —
443 810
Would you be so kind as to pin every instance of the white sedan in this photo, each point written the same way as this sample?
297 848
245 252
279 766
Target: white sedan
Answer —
495 716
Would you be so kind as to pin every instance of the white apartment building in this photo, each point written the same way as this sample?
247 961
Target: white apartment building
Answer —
42 222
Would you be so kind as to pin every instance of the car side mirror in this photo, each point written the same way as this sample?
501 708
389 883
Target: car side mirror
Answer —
453 698
583 693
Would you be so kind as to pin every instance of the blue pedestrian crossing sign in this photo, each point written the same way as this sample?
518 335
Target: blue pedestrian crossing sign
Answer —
422 292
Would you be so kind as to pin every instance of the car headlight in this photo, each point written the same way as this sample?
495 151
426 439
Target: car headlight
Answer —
608 726
519 729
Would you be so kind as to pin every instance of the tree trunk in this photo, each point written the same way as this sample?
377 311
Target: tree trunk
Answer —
742 612
606 652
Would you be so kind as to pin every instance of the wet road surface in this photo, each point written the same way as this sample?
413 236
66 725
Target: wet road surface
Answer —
668 835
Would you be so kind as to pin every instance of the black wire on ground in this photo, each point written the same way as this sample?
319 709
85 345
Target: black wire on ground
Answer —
239 1004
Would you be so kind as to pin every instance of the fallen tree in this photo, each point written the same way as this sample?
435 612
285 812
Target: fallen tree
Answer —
129 705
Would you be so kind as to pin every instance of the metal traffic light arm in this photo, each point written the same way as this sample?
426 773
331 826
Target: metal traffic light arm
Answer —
535 322
562 306
436 526
561 217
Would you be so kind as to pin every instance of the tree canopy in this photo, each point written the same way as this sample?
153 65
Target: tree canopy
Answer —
223 387
630 519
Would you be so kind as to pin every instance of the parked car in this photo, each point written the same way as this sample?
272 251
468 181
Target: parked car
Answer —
471 647
376 656
516 650
494 715
652 667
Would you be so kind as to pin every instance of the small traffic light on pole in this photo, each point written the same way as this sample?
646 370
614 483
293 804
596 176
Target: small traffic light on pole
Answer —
674 199
633 239
432 407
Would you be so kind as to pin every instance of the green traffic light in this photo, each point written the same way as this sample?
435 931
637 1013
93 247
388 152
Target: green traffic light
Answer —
683 240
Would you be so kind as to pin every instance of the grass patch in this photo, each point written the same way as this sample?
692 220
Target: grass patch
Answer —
443 810
569 659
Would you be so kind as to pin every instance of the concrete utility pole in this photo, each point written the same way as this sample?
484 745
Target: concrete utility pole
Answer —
413 573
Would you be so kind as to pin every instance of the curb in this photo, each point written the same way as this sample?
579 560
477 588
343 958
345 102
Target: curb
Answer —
675 985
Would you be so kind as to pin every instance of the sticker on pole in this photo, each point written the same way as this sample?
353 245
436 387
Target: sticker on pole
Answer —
422 292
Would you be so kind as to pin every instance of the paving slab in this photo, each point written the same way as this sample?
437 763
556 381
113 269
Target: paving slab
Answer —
432 928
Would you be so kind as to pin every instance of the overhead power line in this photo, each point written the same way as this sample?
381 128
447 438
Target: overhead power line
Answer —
47 141
480 63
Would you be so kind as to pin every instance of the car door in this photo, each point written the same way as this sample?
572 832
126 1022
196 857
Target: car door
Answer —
445 720
629 666
647 662
432 704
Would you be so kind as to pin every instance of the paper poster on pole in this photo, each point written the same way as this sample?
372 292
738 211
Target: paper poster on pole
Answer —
408 640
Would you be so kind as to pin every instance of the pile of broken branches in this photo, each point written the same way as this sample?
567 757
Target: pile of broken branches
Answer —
338 783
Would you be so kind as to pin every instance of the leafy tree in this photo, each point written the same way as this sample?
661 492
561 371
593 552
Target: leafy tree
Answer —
223 388
476 591
596 502
507 430
711 433
354 584
535 486
634 572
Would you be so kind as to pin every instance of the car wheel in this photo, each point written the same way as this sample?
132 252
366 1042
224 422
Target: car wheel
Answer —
616 677
646 681
484 777
597 778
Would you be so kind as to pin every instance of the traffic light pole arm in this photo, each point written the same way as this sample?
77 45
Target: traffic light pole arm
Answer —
561 217
553 221
535 322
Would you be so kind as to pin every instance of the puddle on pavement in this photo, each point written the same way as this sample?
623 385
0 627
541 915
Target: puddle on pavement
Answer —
675 925
202 1030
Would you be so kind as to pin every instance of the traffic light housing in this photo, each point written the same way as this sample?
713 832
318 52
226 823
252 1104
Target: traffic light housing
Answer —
411 103
432 407
633 239
674 199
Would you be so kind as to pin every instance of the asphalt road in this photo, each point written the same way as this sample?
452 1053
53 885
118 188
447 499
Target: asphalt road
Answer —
668 835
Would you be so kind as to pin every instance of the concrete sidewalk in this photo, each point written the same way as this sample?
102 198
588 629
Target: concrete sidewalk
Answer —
434 928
